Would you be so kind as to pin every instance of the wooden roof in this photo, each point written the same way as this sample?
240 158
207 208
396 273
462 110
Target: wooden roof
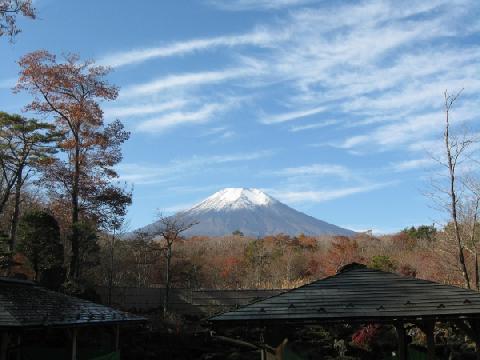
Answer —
23 304
361 294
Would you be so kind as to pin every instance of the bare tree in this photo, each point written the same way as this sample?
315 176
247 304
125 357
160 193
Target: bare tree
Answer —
470 213
170 230
450 192
455 148
117 227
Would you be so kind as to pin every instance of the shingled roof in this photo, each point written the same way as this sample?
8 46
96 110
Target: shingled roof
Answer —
23 304
361 294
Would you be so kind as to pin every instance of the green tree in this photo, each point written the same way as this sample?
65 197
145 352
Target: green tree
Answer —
39 241
237 233
24 145
383 262
422 232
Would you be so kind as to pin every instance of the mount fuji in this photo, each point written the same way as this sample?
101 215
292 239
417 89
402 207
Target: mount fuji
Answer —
254 213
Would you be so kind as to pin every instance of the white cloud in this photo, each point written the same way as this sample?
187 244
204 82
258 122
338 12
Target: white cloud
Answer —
184 80
294 115
318 196
220 159
243 5
315 170
411 130
258 37
412 164
313 126
367 62
226 135
144 174
177 207
202 115
143 109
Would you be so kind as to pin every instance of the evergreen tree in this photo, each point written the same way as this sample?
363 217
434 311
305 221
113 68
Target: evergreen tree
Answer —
39 241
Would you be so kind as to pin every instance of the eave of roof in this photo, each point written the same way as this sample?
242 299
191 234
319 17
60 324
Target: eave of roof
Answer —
361 294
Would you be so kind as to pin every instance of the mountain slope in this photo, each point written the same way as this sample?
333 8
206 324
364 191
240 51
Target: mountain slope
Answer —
254 213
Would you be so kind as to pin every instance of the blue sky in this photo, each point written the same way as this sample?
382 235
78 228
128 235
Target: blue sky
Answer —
330 106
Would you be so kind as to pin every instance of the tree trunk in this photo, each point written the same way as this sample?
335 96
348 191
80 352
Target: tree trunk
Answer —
477 278
453 200
474 245
110 278
16 210
74 260
35 270
14 221
167 280
6 196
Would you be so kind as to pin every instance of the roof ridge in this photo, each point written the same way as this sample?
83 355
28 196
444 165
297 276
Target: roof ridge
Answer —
17 281
350 267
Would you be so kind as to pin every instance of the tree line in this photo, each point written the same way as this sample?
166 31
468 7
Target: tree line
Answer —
60 168
275 262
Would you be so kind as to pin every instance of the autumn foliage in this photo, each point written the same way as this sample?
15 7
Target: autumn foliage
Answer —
9 11
69 93
281 261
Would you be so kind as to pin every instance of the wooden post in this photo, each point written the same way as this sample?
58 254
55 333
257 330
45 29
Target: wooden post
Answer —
263 354
4 346
74 343
402 341
117 338
428 327
19 347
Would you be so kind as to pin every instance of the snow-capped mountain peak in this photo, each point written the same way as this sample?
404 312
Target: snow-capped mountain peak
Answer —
235 198
253 213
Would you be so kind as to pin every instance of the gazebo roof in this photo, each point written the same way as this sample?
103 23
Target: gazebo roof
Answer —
23 304
358 293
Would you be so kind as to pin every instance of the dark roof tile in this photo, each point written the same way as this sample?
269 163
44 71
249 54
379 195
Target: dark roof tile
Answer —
24 304
360 293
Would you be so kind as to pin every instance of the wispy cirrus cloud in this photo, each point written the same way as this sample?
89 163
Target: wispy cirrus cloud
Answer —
258 37
358 59
244 5
318 196
176 118
412 164
315 170
145 174
318 125
184 80
410 131
140 109
290 116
